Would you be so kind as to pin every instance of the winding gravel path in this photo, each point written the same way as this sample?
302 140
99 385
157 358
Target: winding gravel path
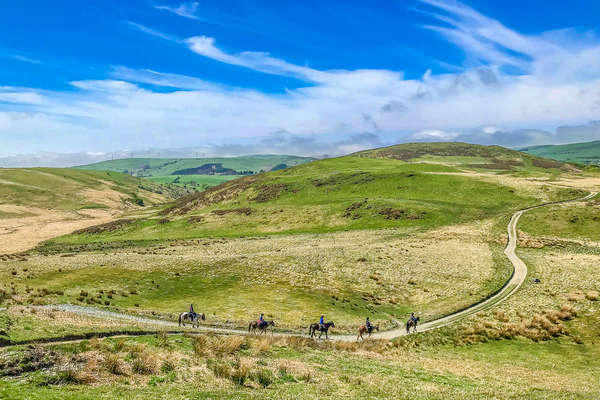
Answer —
510 287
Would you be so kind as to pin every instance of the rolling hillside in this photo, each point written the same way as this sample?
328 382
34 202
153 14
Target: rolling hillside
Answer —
40 203
380 234
197 172
411 185
580 153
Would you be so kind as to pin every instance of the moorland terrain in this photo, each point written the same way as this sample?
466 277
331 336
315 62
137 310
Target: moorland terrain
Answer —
381 233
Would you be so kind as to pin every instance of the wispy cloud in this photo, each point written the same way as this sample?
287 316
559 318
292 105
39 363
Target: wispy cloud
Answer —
164 79
152 32
187 10
258 61
558 84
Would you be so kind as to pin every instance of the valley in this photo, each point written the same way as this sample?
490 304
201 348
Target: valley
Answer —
412 228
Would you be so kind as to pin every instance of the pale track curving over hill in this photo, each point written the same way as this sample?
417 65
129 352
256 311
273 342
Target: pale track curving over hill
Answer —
509 288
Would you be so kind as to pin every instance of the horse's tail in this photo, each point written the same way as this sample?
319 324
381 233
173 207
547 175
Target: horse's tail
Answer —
179 319
309 330
249 325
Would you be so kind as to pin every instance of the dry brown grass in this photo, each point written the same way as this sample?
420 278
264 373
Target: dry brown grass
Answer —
442 265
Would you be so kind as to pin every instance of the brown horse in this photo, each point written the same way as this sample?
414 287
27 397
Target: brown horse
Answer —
412 324
254 325
312 330
363 329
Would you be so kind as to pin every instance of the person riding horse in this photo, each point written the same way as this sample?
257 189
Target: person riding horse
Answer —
322 322
192 312
413 318
261 320
369 326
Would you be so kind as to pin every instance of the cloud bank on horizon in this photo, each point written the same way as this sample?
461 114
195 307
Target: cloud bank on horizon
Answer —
512 89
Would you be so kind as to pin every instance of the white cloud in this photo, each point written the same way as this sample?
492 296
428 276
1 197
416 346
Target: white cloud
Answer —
559 86
187 10
258 61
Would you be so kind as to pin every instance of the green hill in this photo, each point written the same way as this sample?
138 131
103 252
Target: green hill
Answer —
211 171
40 203
580 153
413 185
70 189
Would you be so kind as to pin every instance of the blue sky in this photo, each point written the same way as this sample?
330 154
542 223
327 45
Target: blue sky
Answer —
308 77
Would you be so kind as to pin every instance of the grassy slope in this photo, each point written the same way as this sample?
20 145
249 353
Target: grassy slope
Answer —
573 221
581 153
201 181
363 191
161 169
424 366
61 188
166 166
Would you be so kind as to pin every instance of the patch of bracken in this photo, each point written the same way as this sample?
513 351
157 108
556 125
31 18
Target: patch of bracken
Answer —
266 193
350 210
196 219
107 227
33 359
415 150
547 164
499 164
213 195
241 211
357 178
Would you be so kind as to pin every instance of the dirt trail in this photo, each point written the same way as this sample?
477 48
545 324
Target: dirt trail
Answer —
510 287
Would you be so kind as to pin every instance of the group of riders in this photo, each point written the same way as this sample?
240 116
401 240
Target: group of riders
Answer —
262 323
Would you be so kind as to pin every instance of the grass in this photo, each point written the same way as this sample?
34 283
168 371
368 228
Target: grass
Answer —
384 274
201 182
377 234
64 189
331 195
300 368
581 153
162 170
573 221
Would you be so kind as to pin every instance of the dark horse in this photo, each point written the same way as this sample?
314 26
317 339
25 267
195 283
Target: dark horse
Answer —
412 324
312 330
262 327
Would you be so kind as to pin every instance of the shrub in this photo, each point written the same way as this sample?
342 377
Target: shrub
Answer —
219 368
163 339
119 345
167 366
113 364
263 377
239 372
144 364
592 296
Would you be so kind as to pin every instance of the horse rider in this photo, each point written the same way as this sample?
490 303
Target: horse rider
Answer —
261 319
413 318
322 322
368 325
192 312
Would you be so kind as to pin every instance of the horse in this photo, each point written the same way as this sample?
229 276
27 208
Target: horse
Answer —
312 330
410 323
194 319
363 329
262 327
